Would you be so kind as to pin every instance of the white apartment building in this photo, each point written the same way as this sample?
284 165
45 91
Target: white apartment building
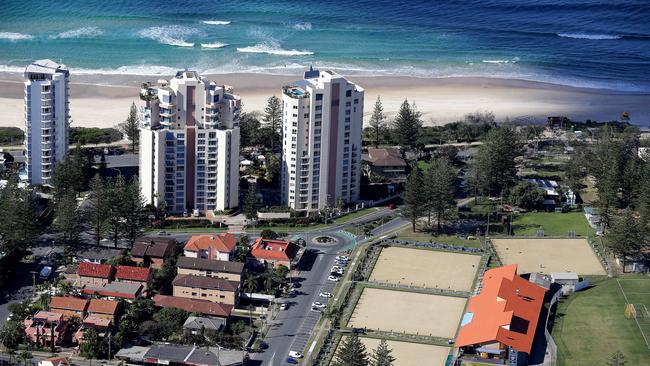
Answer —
47 118
322 122
189 144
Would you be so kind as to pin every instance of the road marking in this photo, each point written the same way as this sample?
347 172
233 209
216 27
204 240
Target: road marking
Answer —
311 348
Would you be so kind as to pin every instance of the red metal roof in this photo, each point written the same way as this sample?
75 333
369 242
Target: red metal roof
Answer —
194 305
87 269
506 310
274 250
132 273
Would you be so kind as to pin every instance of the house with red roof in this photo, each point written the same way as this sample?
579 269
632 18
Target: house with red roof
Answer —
93 274
273 253
152 250
218 247
194 305
45 326
69 306
500 323
137 275
102 325
54 361
103 308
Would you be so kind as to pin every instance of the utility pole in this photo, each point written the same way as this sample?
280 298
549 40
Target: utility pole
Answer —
33 279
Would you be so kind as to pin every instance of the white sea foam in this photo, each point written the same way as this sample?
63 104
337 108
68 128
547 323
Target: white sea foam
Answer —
302 26
213 45
173 35
217 22
589 36
84 32
13 36
272 49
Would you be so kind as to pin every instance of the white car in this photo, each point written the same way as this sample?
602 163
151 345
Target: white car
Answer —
295 354
284 306
336 268
317 304
325 294
333 278
342 258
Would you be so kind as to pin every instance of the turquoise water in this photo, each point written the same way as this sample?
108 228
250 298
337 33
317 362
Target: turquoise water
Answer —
584 43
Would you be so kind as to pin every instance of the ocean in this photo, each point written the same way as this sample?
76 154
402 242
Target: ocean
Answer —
586 43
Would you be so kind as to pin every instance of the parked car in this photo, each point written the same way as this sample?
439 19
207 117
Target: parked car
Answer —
317 304
295 354
292 360
45 273
333 278
342 257
391 206
163 233
284 306
325 294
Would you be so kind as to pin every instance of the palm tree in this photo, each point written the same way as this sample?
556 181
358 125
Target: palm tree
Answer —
250 283
269 280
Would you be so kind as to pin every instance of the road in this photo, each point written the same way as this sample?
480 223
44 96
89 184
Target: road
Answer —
292 328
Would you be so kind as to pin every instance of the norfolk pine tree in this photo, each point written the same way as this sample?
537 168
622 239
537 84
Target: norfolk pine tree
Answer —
351 353
67 222
250 202
407 126
273 119
96 212
377 122
382 355
414 196
131 127
439 186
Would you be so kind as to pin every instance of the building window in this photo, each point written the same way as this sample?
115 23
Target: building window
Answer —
348 93
319 96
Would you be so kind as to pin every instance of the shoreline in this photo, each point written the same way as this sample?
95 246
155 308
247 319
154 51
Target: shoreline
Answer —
103 100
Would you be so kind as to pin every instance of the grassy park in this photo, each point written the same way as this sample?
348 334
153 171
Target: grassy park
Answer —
590 325
553 224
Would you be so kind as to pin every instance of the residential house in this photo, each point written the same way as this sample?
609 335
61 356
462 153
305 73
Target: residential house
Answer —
44 326
102 325
216 247
103 308
136 275
231 271
181 355
152 251
204 307
69 306
387 163
274 253
115 290
54 361
206 288
95 254
197 324
92 274
500 322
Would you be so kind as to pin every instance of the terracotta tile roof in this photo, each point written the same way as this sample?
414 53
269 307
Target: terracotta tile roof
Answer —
132 273
115 289
68 303
50 316
205 282
86 269
193 305
58 361
224 242
385 157
152 246
97 321
203 264
274 250
506 310
99 306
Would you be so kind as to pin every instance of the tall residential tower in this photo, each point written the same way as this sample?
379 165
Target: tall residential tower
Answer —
322 122
47 118
189 144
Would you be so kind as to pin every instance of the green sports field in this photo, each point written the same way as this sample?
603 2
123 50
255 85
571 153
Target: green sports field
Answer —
591 324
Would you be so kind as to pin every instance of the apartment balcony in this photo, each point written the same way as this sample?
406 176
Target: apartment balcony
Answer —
167 113
170 105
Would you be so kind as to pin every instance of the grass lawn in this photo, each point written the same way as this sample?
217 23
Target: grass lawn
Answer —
553 224
189 230
355 215
591 325
425 237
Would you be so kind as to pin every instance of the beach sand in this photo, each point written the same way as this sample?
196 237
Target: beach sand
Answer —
104 100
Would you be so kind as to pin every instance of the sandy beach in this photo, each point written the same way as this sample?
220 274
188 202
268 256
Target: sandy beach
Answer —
104 100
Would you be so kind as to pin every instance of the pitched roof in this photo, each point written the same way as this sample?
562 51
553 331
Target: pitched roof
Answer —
223 242
506 310
86 269
97 321
205 282
132 273
56 361
385 157
204 264
275 250
152 246
51 316
193 305
199 322
68 303
96 253
115 289
100 306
